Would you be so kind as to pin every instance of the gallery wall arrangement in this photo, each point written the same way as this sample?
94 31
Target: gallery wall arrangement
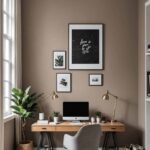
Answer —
85 53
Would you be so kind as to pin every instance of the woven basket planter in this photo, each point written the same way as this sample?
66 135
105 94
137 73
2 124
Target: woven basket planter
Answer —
25 146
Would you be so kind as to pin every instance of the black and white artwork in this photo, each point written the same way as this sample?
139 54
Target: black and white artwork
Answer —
63 82
85 46
148 83
59 59
95 79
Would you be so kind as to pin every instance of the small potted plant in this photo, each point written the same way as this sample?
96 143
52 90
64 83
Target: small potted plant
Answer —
98 116
56 116
24 105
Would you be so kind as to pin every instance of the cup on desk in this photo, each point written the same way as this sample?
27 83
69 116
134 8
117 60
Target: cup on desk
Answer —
41 116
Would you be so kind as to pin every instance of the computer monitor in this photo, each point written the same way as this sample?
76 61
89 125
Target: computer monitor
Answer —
75 111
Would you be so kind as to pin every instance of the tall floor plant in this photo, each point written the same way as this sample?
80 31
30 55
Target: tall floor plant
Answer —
24 105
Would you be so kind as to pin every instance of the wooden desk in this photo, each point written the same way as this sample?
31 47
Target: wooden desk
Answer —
108 128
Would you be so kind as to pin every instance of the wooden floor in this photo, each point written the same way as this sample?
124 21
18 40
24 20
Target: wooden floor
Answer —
65 149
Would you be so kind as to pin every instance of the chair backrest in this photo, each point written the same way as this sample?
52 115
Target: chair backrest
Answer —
88 137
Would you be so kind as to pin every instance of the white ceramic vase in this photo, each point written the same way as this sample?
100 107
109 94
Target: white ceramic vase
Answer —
56 119
98 119
92 120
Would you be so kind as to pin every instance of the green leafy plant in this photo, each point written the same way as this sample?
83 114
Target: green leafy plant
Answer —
59 61
24 105
55 114
98 114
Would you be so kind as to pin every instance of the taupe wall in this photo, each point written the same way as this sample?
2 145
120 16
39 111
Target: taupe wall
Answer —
141 59
45 28
9 136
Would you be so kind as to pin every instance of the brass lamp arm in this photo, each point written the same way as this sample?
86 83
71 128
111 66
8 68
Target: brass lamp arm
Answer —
114 111
116 97
115 105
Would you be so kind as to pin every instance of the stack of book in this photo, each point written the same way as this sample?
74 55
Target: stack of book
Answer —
42 121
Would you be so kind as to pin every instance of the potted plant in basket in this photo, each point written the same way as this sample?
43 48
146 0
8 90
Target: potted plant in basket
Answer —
98 116
56 117
24 105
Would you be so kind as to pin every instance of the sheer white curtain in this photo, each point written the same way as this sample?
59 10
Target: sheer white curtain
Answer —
1 99
18 61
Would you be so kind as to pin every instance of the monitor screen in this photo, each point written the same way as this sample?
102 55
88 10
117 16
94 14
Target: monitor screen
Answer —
75 110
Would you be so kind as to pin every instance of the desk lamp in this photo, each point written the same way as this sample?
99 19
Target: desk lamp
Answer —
106 97
54 95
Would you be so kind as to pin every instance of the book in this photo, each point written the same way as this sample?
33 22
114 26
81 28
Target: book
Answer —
42 121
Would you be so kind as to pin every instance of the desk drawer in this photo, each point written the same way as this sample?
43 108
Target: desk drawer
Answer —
67 128
42 128
113 129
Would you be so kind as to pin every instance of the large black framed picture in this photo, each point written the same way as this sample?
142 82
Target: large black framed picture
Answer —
86 46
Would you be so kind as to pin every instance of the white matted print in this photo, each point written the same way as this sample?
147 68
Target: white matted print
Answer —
95 79
86 46
63 82
59 59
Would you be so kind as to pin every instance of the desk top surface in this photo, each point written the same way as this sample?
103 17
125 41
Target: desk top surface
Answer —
67 123
73 127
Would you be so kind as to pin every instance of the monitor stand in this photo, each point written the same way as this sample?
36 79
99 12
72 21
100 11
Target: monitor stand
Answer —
76 121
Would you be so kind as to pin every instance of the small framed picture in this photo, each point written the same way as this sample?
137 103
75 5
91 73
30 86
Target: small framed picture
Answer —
63 82
86 46
148 48
95 79
59 59
148 83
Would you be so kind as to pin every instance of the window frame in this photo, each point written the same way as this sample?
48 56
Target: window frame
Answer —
8 36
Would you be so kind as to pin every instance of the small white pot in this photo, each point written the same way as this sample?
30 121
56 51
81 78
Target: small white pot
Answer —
92 119
56 119
98 120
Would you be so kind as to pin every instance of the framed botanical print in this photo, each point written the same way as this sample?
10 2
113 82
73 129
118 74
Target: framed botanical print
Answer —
59 59
86 46
95 79
63 82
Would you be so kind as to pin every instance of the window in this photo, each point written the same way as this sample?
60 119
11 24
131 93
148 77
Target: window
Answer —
8 54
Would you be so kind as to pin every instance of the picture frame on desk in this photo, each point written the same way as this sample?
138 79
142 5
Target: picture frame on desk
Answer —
95 79
64 82
86 46
59 59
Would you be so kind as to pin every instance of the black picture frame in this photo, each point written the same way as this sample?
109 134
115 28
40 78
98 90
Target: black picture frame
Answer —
148 83
96 79
86 47
63 82
59 59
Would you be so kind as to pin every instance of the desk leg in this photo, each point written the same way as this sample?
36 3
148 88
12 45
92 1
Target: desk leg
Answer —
115 140
49 139
105 141
40 141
